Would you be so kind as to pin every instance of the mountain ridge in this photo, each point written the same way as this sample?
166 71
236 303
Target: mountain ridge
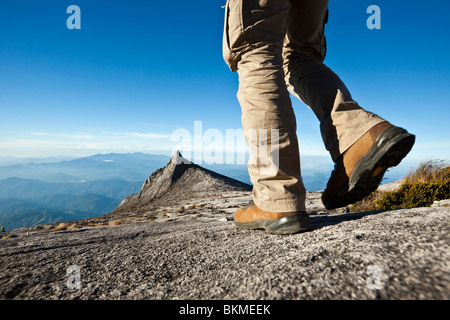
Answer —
179 180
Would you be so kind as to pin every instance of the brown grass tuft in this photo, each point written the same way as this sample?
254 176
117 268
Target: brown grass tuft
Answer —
115 222
429 171
66 226
61 226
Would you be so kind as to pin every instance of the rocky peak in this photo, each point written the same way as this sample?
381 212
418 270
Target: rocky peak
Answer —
180 179
161 180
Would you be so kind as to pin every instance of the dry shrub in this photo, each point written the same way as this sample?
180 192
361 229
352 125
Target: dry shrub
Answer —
428 183
417 194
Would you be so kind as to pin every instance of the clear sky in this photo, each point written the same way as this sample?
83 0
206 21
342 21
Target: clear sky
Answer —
138 70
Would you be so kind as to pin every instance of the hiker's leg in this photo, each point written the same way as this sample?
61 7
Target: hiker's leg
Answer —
342 120
253 42
362 145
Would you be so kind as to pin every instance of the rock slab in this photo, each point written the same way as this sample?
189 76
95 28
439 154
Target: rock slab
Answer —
398 254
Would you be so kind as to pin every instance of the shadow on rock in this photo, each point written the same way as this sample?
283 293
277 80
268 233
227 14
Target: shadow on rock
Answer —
319 222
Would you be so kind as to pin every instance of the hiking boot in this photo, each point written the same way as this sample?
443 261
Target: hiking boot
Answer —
273 222
359 171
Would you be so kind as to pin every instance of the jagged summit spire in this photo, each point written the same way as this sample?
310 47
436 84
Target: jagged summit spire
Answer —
177 158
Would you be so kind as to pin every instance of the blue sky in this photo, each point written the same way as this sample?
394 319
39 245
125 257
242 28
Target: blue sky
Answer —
138 70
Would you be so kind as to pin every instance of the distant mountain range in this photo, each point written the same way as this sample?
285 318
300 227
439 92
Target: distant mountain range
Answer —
36 193
16 213
129 167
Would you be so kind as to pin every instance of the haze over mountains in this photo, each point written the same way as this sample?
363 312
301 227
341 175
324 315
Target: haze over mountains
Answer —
35 193
128 167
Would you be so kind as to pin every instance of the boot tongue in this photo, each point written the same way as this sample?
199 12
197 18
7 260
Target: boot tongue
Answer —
378 129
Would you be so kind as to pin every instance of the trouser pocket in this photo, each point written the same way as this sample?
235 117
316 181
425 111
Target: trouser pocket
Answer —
229 55
251 24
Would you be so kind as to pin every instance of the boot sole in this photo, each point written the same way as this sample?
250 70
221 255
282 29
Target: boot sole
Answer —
288 225
388 150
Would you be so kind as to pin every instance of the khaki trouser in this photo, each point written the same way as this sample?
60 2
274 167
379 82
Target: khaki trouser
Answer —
277 47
